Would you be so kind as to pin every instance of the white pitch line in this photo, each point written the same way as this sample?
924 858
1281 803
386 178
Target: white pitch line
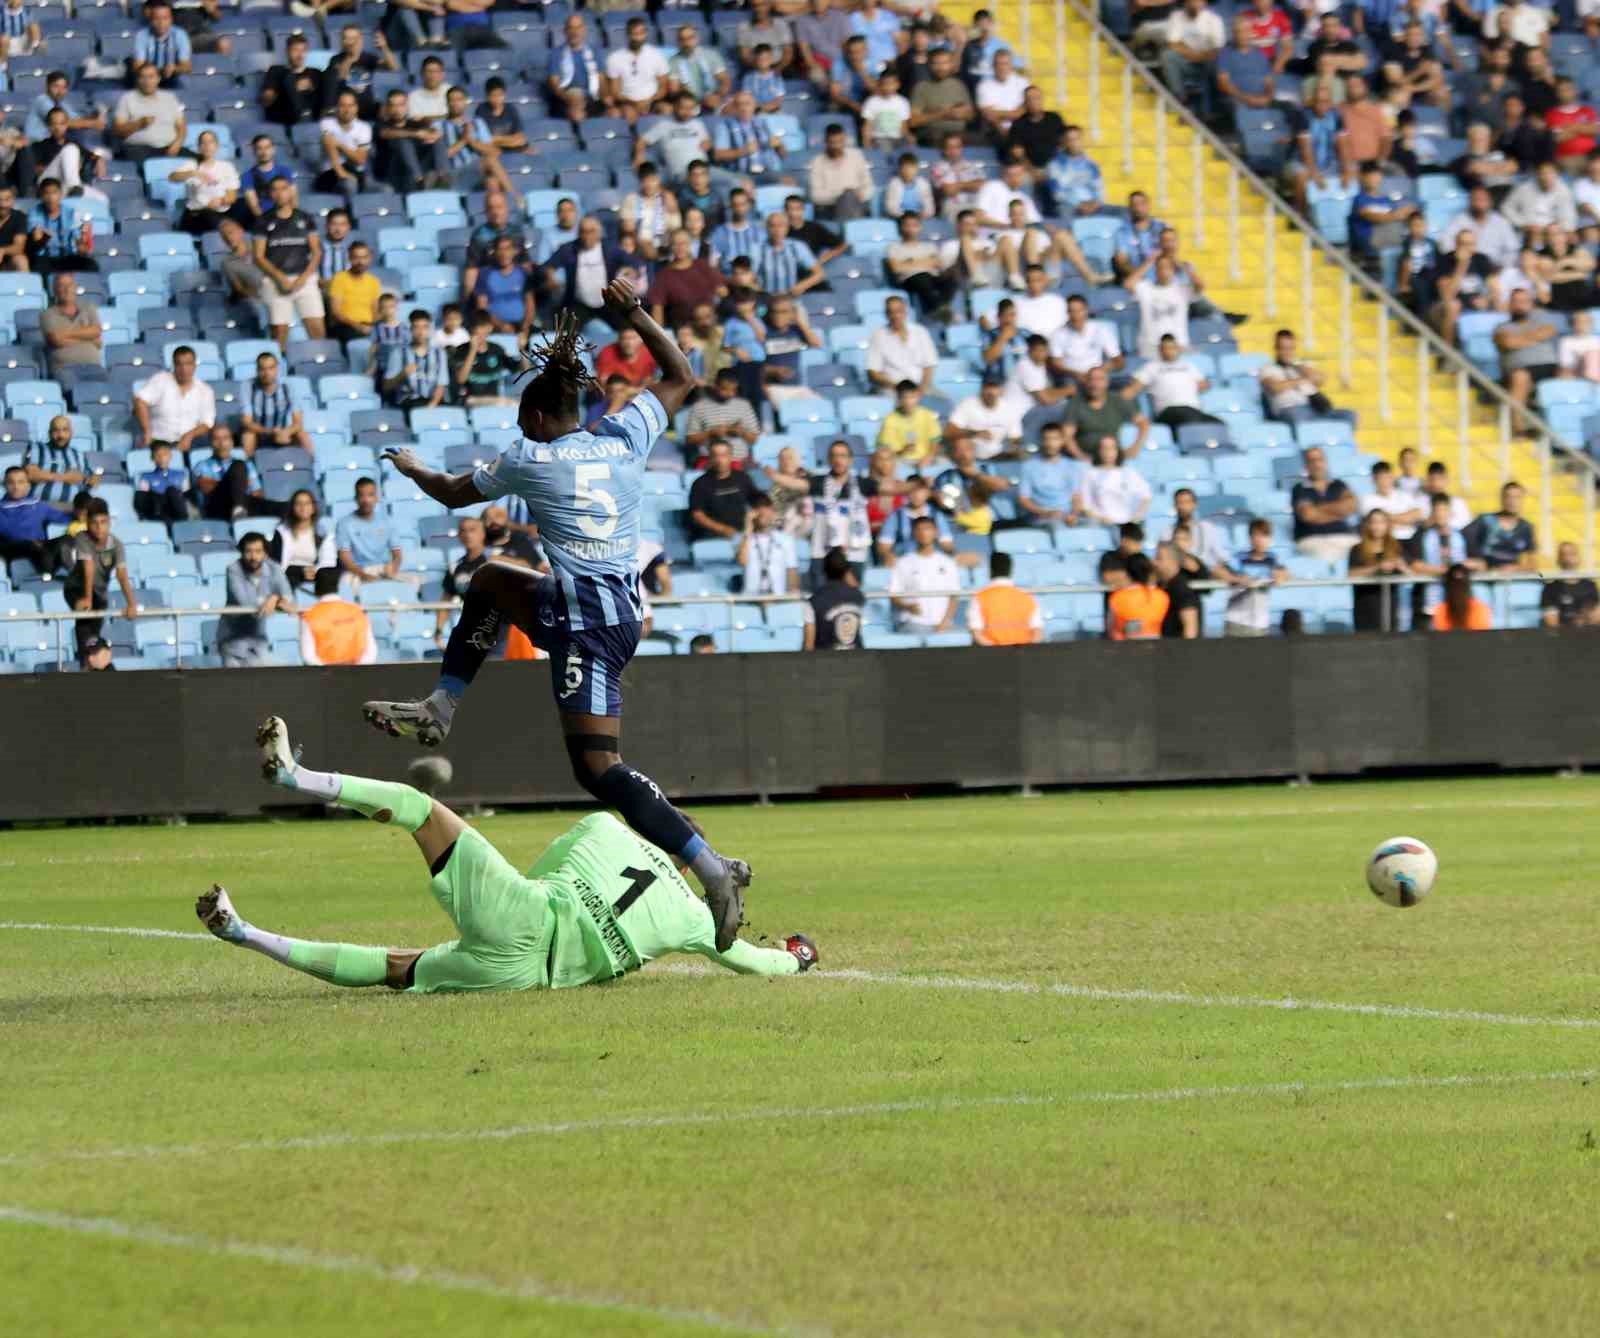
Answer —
107 929
786 1115
346 1265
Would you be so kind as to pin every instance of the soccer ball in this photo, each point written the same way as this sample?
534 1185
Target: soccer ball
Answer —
1401 871
429 774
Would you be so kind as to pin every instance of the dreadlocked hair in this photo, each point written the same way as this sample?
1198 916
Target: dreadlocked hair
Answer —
556 364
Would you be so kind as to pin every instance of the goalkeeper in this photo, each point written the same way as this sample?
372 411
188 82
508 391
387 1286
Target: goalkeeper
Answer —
599 903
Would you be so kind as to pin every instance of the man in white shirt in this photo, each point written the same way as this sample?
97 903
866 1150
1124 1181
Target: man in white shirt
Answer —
175 407
1524 24
346 147
1008 216
991 419
900 351
1163 300
431 102
1082 344
1437 484
1404 510
1578 354
1040 311
147 120
637 76
1001 95
916 574
766 553
1030 383
1194 39
1175 385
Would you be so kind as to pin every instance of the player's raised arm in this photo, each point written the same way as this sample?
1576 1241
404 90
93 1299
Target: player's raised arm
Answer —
452 490
677 376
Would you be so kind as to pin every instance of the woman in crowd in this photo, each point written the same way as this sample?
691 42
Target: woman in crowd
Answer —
302 543
1112 493
212 184
1461 611
1377 553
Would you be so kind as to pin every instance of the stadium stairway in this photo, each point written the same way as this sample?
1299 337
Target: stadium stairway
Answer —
1061 67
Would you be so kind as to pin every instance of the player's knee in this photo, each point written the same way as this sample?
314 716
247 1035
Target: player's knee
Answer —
592 756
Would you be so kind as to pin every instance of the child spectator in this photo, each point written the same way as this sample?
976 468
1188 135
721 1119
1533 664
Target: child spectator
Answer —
764 83
452 331
160 490
96 555
884 115
913 431
908 191
388 334
1250 607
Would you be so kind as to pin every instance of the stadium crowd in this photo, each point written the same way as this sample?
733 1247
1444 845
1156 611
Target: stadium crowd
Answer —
243 251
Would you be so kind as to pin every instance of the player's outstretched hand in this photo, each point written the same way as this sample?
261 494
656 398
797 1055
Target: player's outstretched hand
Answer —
405 461
619 293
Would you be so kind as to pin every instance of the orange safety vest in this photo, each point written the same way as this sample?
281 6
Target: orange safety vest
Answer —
338 630
1137 612
1008 614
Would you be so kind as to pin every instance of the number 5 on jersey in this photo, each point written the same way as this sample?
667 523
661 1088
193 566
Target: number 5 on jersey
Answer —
587 497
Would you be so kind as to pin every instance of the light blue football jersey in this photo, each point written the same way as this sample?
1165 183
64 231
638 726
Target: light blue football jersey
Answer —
583 492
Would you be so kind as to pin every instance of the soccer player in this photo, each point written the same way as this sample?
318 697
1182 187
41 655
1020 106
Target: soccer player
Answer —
582 488
599 903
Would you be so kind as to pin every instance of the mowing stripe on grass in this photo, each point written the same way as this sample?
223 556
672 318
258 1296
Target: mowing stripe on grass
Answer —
524 1289
789 1114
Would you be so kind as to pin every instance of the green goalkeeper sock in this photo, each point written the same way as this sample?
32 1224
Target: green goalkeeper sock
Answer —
340 963
385 801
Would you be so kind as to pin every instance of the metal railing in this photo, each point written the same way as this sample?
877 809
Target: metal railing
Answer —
1312 244
1498 584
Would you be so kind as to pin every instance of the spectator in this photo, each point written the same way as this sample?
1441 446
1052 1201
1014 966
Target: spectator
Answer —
1528 350
346 148
1006 209
1164 303
1523 135
291 92
1199 539
468 26
1495 236
1112 492
1437 483
913 432
504 292
1040 311
269 416
628 358
501 118
1322 148
479 366
1376 219
1566 270
1411 68
13 232
1578 354
56 94
1037 133
703 340
575 71
1097 416
334 630
1504 540
24 522
913 65
683 284
353 295
496 224
740 234
680 140
159 491
1403 510
96 555
1421 260
1323 511
1461 610
1185 616
1574 125
1194 38
1466 280
1137 611
388 334
720 498
70 326
990 421
700 72
1174 385
702 643
1050 480
1481 95
255 580
1073 184
839 500
352 68
957 178
901 350
1567 601
60 155
885 115
746 144
256 183
162 46
302 544
1377 552
978 52
1541 203
1000 614
1245 76
834 611
1000 96
175 407
908 191
469 149
637 76
724 416
940 104
1138 240
1437 546
452 333
763 29
429 105
917 266
1293 388
1112 568
764 82
963 490
881 28
57 240
924 583
820 38
417 374
855 81
1031 383
576 275
288 251
1483 164
894 538
364 542
786 334
211 188
784 265
473 537
409 153
55 468
766 553
336 243
1083 345
1249 611
228 487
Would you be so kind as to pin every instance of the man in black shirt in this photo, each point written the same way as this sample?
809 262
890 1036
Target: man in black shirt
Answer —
1036 132
720 497
1184 614
13 231
825 243
1569 601
352 68
293 92
501 118
288 249
834 612
478 368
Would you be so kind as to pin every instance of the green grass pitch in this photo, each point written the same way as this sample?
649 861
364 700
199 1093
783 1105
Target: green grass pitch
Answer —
1036 1087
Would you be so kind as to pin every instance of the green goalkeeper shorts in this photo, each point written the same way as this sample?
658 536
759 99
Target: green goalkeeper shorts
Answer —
505 922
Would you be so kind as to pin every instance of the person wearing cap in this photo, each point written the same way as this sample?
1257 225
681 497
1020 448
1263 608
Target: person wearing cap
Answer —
989 419
254 581
96 655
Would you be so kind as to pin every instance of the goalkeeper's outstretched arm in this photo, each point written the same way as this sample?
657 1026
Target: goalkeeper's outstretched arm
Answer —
798 954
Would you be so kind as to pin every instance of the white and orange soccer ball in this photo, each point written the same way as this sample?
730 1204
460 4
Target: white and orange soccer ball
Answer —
1402 870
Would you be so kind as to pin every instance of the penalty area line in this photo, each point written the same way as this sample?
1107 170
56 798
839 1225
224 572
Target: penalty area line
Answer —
345 1265
793 1114
126 930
